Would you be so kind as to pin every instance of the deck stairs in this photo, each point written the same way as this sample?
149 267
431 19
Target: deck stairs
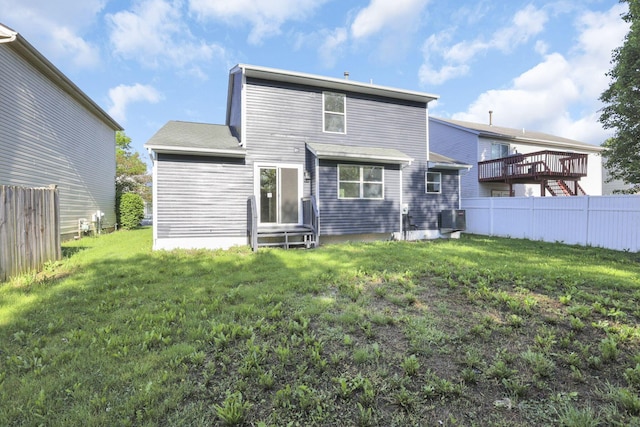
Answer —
561 188
287 236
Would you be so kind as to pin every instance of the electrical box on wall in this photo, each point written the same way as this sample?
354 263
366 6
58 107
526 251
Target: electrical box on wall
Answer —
405 209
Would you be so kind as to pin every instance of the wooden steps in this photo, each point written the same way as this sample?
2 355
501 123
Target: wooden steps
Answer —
286 237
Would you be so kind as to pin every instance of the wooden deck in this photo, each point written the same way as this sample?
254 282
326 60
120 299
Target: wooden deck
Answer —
534 167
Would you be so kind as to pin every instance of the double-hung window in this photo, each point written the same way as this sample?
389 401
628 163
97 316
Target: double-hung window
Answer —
433 181
360 182
334 118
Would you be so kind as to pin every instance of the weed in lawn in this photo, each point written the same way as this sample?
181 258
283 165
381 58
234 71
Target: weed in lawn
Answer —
516 387
500 370
609 349
576 323
572 416
469 375
410 365
541 365
624 398
266 380
515 321
404 399
233 410
364 355
365 416
545 339
632 376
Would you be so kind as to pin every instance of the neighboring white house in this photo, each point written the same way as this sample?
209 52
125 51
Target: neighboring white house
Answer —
53 133
517 162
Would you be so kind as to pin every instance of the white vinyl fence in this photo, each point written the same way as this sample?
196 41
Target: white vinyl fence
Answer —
611 222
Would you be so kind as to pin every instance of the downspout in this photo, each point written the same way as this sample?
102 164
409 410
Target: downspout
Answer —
402 237
317 195
154 193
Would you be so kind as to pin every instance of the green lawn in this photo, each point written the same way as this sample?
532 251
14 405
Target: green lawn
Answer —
477 331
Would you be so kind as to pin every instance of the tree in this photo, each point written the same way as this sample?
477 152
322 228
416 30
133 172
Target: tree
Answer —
131 210
622 105
131 172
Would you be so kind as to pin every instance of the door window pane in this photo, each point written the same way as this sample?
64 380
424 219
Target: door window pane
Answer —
268 195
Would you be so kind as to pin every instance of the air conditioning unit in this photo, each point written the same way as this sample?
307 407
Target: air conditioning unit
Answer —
452 220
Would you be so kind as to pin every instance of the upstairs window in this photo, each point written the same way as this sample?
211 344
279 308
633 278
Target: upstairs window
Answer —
360 182
334 118
499 151
433 182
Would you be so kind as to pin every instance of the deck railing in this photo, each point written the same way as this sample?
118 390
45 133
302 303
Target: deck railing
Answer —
539 165
252 223
311 216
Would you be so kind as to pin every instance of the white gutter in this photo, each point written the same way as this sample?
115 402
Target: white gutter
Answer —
167 149
7 35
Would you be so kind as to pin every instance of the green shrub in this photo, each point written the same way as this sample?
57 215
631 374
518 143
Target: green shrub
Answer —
131 210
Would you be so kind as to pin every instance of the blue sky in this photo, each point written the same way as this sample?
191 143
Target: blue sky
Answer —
538 65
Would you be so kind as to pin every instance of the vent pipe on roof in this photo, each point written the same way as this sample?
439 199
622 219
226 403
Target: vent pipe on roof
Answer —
346 75
490 118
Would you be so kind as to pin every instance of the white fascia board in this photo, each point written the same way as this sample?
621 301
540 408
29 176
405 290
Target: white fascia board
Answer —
197 151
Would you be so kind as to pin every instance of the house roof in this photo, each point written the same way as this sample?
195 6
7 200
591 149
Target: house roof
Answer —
443 162
23 48
517 135
177 137
343 84
355 153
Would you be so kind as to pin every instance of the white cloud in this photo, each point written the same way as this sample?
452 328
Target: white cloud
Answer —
265 16
82 53
380 14
560 94
331 48
525 24
56 28
121 96
153 32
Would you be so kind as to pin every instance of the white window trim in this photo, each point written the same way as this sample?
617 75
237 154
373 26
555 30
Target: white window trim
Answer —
344 115
427 182
361 182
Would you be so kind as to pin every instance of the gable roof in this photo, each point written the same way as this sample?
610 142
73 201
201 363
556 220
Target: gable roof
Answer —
274 74
517 135
178 137
23 48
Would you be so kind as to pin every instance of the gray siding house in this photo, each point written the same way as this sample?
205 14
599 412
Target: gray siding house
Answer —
53 133
302 158
517 162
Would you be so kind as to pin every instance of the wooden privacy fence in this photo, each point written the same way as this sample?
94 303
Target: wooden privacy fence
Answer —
611 222
29 229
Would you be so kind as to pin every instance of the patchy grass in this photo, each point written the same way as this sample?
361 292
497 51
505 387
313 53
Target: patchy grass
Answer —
477 331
